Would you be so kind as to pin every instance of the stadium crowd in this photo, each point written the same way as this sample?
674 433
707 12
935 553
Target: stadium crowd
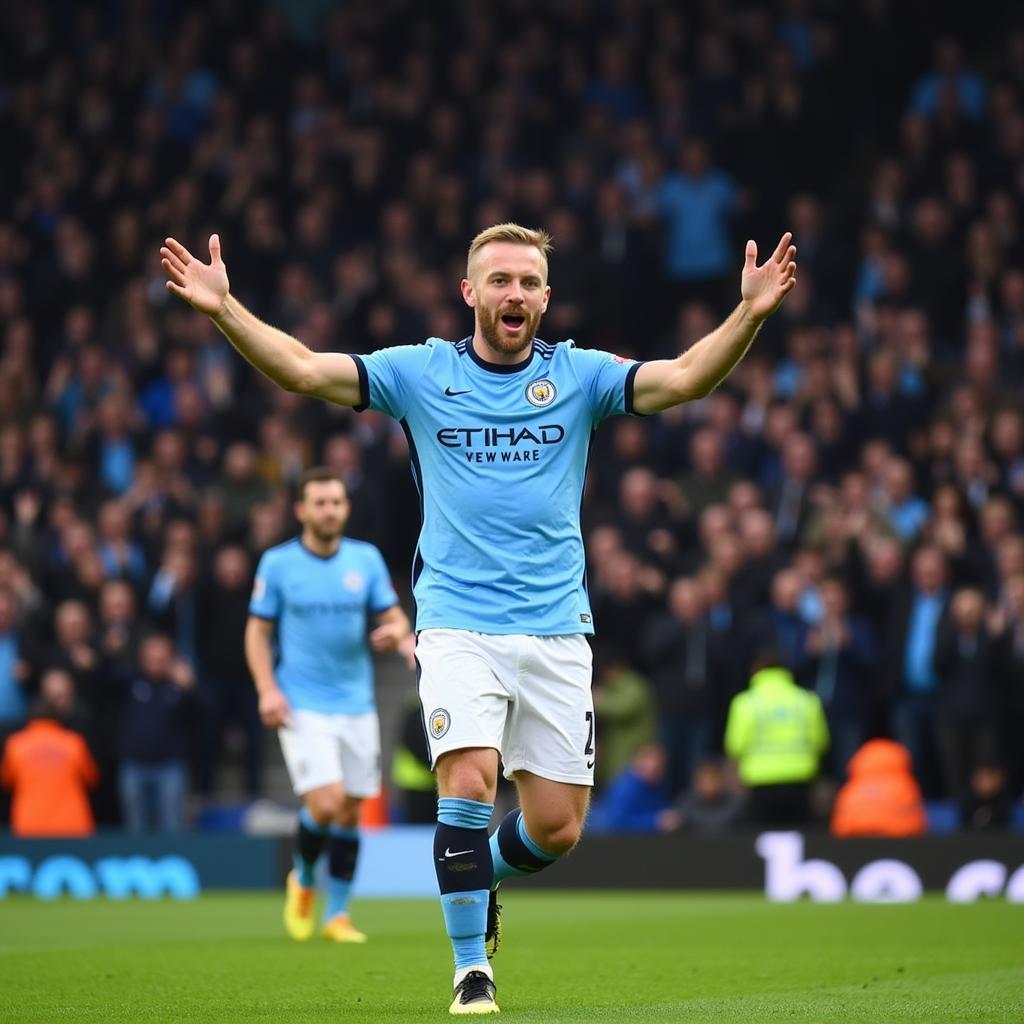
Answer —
852 497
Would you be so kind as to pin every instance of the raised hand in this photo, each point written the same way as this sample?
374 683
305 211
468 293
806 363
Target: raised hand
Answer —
763 288
203 285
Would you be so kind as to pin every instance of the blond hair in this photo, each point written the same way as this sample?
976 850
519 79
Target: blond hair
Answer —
510 232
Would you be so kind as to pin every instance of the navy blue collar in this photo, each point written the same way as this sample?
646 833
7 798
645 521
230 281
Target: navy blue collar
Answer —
499 367
314 554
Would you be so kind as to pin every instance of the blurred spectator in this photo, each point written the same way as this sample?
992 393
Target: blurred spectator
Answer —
229 697
949 81
636 798
881 796
913 630
972 691
792 495
174 598
74 646
626 717
119 627
841 658
690 671
121 556
777 733
411 776
988 803
697 202
781 626
709 806
13 670
709 479
157 711
49 769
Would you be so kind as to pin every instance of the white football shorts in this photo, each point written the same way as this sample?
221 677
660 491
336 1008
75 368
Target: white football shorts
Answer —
528 697
323 749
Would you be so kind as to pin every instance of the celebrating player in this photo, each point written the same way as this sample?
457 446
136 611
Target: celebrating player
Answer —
499 429
312 596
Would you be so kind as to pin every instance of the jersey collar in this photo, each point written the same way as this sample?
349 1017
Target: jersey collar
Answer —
500 367
313 554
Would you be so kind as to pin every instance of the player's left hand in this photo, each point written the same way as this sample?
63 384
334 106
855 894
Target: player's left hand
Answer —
763 288
388 636
407 648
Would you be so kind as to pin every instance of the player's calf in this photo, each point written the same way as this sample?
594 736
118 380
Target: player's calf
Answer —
514 852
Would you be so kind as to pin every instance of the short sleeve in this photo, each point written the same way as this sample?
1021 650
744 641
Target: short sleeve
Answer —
607 380
265 602
389 376
382 593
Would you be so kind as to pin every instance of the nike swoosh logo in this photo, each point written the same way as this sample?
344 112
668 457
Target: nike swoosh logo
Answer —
455 853
590 764
451 394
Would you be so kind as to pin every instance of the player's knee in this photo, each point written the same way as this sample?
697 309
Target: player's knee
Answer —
348 812
470 785
465 778
324 806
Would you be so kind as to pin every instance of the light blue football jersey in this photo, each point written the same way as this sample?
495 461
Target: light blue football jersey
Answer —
499 454
320 606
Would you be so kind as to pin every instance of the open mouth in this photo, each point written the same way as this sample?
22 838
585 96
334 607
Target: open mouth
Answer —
513 321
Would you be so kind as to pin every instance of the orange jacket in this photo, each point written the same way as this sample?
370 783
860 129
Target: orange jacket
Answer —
49 767
882 797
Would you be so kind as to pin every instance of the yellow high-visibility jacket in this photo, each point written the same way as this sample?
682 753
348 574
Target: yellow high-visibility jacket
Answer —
776 730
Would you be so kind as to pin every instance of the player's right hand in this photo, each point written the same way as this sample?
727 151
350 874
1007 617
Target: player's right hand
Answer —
274 709
203 285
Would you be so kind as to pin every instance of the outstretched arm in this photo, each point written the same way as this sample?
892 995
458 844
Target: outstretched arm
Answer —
662 383
285 360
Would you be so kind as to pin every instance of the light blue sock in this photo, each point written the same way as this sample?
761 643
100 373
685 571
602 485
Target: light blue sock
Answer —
465 921
462 861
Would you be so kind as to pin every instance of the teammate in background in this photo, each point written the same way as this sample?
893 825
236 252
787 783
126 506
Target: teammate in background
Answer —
499 429
310 600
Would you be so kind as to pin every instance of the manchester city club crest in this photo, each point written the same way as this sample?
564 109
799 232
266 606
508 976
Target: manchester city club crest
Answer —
540 392
439 722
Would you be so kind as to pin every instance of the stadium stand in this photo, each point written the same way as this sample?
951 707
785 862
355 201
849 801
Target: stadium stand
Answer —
852 495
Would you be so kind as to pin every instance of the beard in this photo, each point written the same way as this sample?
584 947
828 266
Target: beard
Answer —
327 534
491 329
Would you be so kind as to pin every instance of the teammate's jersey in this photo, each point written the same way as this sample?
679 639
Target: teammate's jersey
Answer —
320 607
499 454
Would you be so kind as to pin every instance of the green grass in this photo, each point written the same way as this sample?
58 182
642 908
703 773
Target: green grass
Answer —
566 957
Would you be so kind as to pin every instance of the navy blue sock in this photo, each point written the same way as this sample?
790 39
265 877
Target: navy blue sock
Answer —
513 852
309 844
462 860
341 867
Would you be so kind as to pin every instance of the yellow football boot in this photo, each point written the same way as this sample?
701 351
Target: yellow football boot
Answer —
474 994
339 929
299 909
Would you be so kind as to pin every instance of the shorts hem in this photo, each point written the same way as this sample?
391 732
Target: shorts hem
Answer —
434 756
335 782
545 773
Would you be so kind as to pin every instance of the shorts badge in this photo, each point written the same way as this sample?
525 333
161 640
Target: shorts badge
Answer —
440 721
540 393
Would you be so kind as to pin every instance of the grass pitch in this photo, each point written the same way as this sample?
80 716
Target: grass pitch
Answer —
565 957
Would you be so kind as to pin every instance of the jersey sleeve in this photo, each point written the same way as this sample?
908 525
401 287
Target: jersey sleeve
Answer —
388 378
265 602
382 594
607 380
